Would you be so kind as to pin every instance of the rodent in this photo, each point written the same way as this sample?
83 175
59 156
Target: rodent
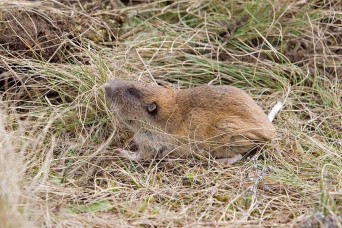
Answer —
220 121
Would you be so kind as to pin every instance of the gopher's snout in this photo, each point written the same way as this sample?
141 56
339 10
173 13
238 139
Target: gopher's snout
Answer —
108 90
112 89
119 88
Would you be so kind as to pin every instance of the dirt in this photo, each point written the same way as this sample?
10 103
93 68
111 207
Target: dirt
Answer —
49 35
50 32
29 34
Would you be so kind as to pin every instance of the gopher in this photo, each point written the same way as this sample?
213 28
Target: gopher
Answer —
221 121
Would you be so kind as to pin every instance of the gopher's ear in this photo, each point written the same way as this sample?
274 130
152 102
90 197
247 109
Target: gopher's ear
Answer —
152 108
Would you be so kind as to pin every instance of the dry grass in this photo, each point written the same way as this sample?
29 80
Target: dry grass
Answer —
57 166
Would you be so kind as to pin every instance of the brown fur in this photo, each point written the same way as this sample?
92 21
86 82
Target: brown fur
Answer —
220 121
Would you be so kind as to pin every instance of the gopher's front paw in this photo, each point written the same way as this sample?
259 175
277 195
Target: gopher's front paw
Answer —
229 161
133 156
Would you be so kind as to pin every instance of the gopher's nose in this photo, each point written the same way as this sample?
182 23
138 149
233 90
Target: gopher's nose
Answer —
108 90
113 88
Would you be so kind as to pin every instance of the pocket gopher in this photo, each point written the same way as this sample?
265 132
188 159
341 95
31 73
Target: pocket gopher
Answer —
222 121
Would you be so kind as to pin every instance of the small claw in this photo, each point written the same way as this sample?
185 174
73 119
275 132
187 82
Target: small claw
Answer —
229 161
133 156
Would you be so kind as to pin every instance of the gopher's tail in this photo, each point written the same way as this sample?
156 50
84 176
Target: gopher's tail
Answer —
275 111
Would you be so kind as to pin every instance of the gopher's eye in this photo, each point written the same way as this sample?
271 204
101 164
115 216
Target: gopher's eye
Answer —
134 92
152 108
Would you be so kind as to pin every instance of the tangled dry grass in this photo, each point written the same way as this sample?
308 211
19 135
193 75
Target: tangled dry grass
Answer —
57 135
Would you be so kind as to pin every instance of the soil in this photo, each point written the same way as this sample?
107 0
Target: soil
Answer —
45 34
29 34
51 32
